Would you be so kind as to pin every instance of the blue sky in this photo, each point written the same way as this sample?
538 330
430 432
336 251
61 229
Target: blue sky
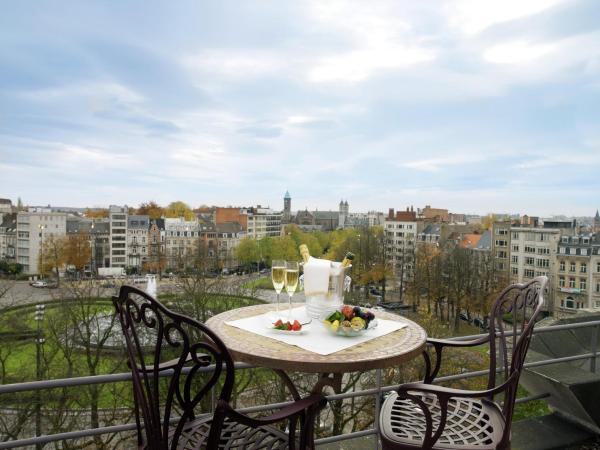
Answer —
470 105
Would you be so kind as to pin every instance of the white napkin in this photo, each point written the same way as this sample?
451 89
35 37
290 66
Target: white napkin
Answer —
314 337
316 276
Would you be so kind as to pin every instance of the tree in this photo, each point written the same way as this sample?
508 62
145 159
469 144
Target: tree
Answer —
97 213
151 209
53 255
179 209
78 252
247 251
285 248
19 204
488 221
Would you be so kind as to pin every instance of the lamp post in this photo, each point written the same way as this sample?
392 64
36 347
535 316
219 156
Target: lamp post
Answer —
93 252
39 342
41 227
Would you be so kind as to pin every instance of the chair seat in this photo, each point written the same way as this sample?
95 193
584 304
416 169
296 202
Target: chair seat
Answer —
234 436
471 423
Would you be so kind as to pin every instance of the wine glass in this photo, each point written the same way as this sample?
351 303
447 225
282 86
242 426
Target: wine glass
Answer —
291 282
278 279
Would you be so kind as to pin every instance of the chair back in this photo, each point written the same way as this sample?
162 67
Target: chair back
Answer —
512 319
159 340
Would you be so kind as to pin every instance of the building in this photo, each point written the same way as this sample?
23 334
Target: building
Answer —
231 214
501 247
8 237
117 216
287 208
157 252
98 231
33 227
596 226
344 211
6 207
400 242
228 238
137 241
263 222
577 273
182 239
533 253
375 218
430 234
434 214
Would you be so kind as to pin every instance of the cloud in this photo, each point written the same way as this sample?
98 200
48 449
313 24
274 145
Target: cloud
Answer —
474 16
517 52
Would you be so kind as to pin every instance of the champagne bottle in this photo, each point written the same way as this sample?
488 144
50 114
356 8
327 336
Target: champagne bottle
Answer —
304 252
348 259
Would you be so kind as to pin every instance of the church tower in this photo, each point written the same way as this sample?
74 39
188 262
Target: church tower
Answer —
287 208
597 222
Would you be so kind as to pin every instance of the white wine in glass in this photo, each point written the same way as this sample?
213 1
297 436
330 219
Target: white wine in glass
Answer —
278 278
291 282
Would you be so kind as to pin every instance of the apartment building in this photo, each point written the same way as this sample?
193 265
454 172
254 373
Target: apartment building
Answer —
263 222
137 241
501 248
8 237
228 238
533 253
118 235
400 240
577 273
33 227
98 232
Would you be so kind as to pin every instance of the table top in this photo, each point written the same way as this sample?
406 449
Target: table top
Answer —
384 351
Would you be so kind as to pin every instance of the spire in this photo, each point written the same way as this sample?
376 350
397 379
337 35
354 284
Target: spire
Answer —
287 195
597 215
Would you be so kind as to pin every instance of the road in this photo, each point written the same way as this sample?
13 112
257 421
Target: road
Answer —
21 293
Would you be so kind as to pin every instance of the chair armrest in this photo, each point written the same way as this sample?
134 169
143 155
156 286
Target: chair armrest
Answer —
287 412
453 343
446 393
172 363
438 345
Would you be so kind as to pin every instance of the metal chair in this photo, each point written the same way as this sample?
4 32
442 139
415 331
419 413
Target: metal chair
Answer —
426 416
159 340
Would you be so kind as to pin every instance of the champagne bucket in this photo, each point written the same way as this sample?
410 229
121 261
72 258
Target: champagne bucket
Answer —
339 283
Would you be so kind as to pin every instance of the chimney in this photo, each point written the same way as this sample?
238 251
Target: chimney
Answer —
391 213
411 208
407 209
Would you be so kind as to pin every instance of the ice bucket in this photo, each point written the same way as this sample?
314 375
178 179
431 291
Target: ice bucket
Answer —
318 303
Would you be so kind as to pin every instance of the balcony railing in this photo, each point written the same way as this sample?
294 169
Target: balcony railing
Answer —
376 392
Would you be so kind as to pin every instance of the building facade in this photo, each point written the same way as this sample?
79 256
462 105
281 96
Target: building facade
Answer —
118 235
501 248
263 222
8 237
400 240
32 228
137 241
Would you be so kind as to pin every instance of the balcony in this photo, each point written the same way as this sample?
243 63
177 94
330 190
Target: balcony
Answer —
561 429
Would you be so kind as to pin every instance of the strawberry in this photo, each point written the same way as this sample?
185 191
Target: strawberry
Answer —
278 323
296 326
289 326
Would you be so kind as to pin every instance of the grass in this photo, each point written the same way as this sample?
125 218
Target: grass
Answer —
259 283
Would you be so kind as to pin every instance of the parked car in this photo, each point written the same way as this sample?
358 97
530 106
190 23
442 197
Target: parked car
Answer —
39 284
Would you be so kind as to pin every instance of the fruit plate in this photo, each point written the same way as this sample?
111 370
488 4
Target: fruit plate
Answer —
271 326
364 321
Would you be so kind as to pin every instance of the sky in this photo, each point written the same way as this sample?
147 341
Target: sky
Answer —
471 105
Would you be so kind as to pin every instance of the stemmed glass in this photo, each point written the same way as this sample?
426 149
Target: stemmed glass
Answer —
291 282
278 279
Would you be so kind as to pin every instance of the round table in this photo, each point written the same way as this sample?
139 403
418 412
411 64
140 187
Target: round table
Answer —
382 352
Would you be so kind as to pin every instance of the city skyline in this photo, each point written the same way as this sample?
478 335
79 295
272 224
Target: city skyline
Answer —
462 106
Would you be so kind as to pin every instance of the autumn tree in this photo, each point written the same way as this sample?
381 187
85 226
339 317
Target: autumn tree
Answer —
53 255
151 209
179 209
77 250
96 213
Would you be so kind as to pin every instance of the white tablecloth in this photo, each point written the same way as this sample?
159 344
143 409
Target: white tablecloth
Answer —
314 337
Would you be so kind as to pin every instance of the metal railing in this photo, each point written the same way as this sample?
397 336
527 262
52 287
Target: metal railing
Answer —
35 386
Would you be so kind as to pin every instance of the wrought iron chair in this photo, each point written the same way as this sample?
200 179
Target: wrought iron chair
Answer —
160 340
426 416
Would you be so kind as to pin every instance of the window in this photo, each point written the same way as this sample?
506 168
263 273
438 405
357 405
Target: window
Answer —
582 284
564 240
543 263
515 247
561 281
598 287
501 243
584 251
514 259
501 231
562 266
515 271
572 251
572 267
572 283
583 268
515 235
529 273
529 249
543 237
502 254
543 251
562 250
529 261
569 303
